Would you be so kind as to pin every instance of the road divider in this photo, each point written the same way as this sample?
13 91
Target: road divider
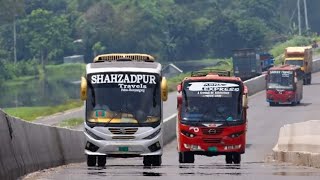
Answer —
299 144
28 147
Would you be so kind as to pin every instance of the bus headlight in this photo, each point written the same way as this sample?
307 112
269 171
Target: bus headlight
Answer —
188 134
235 135
153 134
93 135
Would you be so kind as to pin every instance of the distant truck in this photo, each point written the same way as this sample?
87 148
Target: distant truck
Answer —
301 56
284 85
246 63
212 116
266 60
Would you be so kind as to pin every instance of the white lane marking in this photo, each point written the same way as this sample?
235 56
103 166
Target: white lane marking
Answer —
170 117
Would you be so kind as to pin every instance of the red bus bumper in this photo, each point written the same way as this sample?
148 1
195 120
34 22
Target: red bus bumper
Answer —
228 140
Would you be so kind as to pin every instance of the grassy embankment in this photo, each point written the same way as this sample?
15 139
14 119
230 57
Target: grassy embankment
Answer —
278 49
71 123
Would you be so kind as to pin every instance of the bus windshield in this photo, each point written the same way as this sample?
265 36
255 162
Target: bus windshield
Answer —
211 101
280 80
123 98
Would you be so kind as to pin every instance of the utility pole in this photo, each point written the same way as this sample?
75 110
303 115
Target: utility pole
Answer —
14 39
306 14
299 17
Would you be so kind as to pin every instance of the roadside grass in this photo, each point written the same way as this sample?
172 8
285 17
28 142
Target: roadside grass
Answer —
71 123
32 113
65 71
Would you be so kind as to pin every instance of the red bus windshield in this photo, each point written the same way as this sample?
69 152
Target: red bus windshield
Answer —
211 101
280 80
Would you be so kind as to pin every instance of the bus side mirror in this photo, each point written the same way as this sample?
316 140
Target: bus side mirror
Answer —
179 100
245 101
164 89
179 88
83 89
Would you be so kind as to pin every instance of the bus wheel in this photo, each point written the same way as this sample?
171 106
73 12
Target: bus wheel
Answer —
272 103
102 161
236 158
157 160
91 160
152 160
229 158
186 157
309 81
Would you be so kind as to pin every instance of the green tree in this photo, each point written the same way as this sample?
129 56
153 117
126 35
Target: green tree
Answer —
46 35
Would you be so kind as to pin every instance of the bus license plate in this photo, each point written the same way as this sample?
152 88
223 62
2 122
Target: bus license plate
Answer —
123 149
212 149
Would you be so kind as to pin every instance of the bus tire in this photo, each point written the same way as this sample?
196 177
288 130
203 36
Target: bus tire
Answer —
102 161
309 82
147 160
186 157
155 160
91 160
229 159
236 158
272 103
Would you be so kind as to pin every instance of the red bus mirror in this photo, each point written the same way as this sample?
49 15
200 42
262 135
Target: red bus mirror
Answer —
179 100
179 88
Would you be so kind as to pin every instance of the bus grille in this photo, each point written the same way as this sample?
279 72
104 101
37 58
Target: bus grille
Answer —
212 140
123 130
123 137
212 131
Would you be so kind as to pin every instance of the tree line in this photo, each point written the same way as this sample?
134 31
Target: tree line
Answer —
173 30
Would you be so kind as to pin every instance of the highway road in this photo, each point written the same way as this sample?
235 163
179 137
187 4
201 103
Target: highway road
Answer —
263 128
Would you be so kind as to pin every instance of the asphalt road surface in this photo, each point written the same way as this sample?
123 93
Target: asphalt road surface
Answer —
263 128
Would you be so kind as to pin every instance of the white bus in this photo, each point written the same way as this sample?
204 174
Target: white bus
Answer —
123 96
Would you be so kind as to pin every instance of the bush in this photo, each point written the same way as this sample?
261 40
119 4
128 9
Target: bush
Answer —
278 50
21 68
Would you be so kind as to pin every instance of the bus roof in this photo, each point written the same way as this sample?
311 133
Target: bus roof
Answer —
211 77
124 57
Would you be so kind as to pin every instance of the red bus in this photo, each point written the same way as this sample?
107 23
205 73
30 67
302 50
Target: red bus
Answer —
284 85
212 116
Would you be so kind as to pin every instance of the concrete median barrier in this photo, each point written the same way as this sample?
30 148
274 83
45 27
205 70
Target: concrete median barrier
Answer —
299 144
28 147
256 84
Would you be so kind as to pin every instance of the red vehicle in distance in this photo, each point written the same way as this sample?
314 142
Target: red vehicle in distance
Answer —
212 116
284 85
